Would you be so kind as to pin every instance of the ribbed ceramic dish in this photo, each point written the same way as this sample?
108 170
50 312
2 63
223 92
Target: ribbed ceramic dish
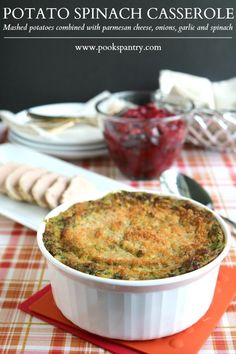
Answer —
132 310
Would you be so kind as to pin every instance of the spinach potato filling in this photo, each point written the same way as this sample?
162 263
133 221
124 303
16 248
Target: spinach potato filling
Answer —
134 236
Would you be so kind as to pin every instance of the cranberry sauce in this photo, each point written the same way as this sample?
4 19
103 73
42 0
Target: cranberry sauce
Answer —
143 147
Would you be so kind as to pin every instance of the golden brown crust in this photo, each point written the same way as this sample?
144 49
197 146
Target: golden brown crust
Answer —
134 236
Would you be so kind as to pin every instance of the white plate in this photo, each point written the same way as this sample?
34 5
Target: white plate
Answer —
66 154
69 147
31 215
80 134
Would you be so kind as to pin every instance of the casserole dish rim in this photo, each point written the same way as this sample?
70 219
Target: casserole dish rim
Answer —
134 283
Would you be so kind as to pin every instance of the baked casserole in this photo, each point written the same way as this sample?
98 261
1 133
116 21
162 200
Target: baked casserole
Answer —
134 236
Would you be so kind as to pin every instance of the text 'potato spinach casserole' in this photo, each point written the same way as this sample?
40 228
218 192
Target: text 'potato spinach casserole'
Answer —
134 236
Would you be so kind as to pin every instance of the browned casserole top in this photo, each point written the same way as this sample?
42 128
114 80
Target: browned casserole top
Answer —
134 236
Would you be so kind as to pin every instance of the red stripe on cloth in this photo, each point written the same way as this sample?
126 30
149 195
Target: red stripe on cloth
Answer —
7 304
19 265
220 340
5 264
231 167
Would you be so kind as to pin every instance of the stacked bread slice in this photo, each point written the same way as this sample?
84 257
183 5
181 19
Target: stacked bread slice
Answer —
47 189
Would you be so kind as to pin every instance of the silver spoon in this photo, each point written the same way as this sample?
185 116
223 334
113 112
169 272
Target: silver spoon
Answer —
173 182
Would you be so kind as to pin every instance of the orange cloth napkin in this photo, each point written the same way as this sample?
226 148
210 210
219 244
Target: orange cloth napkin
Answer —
189 341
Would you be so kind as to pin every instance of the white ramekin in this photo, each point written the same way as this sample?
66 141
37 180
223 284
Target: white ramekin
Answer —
133 310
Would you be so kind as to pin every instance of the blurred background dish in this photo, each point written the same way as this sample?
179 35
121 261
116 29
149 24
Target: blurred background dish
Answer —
70 152
55 146
78 134
213 124
76 142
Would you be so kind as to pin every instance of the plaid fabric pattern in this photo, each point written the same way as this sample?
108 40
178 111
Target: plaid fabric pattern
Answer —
23 269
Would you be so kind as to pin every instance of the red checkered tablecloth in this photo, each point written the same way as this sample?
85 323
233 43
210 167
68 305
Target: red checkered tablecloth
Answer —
23 269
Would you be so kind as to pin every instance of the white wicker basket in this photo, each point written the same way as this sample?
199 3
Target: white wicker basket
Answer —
213 130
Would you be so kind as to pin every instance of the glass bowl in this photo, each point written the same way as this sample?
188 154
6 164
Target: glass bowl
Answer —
144 132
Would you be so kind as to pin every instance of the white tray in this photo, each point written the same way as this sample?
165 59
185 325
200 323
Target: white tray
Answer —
31 215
